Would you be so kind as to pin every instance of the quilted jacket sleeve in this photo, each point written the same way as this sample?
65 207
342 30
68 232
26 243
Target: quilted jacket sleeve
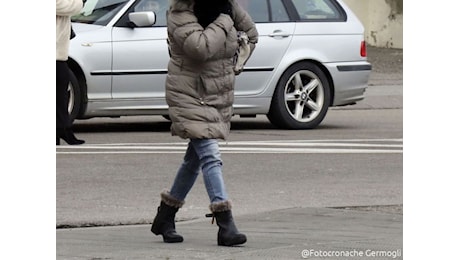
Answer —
197 42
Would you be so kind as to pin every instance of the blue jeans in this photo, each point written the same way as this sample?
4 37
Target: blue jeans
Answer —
201 154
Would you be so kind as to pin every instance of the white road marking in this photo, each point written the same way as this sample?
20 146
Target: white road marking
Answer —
369 146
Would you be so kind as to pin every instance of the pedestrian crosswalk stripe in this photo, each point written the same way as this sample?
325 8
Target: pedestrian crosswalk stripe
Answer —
272 146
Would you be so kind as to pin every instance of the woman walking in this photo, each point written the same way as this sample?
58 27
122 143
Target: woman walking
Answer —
202 37
64 10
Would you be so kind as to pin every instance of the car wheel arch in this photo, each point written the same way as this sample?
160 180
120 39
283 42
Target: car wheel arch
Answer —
277 116
319 65
81 79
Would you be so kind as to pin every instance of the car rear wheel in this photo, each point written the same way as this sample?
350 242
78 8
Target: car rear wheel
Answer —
301 98
74 92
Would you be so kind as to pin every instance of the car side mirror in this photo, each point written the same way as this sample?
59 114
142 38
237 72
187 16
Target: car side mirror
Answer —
142 19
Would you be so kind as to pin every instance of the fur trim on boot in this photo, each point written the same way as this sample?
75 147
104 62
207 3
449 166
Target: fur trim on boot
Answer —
170 200
221 206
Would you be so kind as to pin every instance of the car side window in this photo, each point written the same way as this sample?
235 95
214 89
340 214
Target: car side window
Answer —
279 13
257 9
314 10
158 6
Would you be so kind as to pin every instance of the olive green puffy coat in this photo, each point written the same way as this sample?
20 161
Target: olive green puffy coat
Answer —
200 81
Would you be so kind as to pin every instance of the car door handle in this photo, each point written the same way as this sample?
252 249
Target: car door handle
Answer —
279 33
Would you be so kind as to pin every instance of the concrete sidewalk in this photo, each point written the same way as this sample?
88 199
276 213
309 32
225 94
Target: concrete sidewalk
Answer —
310 233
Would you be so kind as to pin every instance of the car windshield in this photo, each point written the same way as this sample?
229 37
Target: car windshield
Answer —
99 12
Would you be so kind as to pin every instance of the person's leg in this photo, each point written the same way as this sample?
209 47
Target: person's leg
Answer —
171 201
186 175
63 122
211 165
62 99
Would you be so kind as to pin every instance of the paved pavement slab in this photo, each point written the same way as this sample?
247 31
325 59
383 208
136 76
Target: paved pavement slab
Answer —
295 233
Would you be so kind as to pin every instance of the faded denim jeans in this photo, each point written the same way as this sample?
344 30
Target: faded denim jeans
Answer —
204 155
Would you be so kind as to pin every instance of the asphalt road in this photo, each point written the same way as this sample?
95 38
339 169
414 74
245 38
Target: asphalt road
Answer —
354 158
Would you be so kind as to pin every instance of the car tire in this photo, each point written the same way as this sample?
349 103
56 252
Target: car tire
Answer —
74 92
301 98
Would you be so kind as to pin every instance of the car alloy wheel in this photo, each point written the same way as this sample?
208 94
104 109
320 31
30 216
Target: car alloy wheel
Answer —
71 96
301 98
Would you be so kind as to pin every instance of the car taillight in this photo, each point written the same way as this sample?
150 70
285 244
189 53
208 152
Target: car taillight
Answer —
363 49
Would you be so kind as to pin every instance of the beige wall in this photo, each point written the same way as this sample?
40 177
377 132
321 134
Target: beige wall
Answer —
383 20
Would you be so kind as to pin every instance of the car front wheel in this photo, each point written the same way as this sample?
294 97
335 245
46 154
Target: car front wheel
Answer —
301 98
74 93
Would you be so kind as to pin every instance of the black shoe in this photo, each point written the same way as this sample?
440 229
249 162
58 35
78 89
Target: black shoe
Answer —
164 222
228 234
67 135
164 225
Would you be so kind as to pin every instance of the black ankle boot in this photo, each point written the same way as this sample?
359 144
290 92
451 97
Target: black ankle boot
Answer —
67 135
164 223
228 234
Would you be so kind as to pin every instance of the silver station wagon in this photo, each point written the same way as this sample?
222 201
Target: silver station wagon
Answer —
311 55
